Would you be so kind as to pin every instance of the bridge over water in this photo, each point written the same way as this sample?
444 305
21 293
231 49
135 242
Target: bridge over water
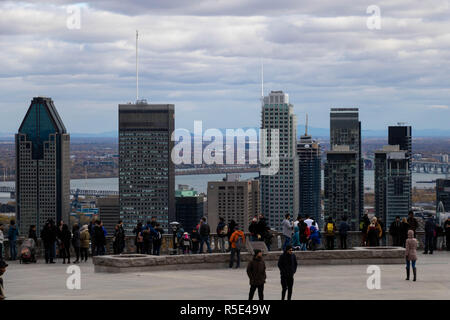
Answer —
80 192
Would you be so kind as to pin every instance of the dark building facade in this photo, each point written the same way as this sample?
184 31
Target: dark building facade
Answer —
345 130
392 191
109 212
189 208
42 167
146 171
401 135
341 186
443 193
309 159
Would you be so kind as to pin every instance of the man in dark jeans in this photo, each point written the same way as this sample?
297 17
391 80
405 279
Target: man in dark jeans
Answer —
395 231
205 231
287 263
430 229
343 232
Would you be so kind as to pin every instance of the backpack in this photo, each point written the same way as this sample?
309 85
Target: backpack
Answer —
239 243
224 230
158 235
330 228
140 238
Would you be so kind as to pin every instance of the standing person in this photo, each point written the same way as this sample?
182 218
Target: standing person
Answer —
263 232
153 222
412 222
237 240
121 237
287 263
91 228
2 240
99 239
438 238
411 254
3 266
205 232
32 233
253 229
138 240
147 241
64 246
116 240
222 230
48 236
76 242
430 231
395 231
343 232
195 238
84 242
314 238
157 239
288 229
308 221
404 227
12 237
296 245
379 228
304 233
364 225
231 226
256 271
447 233
330 229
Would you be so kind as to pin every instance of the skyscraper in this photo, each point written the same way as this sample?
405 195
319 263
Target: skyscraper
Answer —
309 159
279 192
42 167
189 207
341 185
146 171
392 191
401 135
345 131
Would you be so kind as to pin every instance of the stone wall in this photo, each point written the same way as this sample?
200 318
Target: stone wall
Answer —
353 240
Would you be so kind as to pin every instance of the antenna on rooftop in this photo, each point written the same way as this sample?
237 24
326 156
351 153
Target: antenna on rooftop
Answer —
137 70
306 125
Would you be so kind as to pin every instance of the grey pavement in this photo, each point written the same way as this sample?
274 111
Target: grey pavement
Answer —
41 281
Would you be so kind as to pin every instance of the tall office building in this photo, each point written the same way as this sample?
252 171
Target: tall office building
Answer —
345 130
233 199
189 207
341 186
443 193
109 212
146 171
392 192
401 135
279 192
42 167
309 159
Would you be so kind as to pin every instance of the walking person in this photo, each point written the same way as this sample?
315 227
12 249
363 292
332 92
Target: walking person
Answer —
343 232
395 231
330 230
85 238
237 240
65 238
411 254
13 234
287 263
430 231
205 232
48 236
222 230
288 230
256 271
76 242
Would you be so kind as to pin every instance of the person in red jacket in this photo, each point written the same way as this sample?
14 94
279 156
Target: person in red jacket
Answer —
237 241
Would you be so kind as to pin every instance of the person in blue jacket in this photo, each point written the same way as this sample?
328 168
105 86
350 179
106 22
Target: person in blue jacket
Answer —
314 237
12 237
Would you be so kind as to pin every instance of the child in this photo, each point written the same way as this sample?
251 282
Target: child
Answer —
186 243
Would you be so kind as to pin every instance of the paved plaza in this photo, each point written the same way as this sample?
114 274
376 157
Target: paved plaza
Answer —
41 281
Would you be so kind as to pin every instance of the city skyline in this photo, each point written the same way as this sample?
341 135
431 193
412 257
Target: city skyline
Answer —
210 75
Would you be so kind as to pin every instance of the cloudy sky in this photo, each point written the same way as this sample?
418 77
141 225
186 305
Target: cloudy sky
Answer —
205 57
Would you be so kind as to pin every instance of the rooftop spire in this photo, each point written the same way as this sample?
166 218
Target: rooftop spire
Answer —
306 125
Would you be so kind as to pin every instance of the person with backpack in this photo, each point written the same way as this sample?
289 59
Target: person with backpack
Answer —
330 229
13 234
288 230
287 264
411 254
314 237
237 240
222 230
205 232
157 239
343 232
256 271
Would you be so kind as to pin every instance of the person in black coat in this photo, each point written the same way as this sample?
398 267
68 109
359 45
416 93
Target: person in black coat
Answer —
99 239
76 242
48 236
430 230
395 231
65 238
287 263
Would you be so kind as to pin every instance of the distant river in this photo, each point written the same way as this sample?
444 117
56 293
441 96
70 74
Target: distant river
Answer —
200 182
